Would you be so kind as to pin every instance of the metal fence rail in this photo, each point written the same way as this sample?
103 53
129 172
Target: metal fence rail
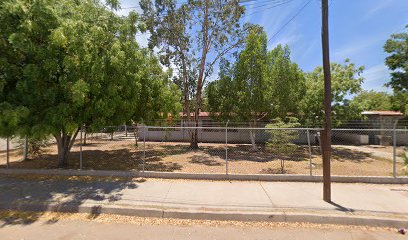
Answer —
230 150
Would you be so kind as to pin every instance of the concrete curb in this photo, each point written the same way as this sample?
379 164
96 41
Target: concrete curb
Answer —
382 220
204 176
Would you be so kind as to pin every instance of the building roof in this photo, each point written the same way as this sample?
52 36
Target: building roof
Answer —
202 114
383 113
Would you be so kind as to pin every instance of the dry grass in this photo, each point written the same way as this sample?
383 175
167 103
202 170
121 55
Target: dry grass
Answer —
24 218
209 158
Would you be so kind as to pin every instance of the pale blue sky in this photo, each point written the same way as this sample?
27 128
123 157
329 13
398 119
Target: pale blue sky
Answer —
358 30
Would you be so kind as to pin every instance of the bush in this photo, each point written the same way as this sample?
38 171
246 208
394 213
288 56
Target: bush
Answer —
35 145
281 140
405 159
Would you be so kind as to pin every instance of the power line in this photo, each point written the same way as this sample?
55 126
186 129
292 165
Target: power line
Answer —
270 7
262 3
253 4
290 20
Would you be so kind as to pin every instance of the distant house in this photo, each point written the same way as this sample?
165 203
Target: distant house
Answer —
383 119
204 119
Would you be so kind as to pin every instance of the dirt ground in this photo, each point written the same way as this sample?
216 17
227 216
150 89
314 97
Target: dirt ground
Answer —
123 154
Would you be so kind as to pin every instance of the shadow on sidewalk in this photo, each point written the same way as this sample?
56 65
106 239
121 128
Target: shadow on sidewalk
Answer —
341 208
56 195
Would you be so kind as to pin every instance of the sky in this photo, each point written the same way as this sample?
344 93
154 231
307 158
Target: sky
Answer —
358 30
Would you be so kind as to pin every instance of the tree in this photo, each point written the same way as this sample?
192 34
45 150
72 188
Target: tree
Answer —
346 81
399 101
397 47
369 101
287 82
261 85
251 83
168 27
397 61
281 140
196 34
158 96
221 94
66 63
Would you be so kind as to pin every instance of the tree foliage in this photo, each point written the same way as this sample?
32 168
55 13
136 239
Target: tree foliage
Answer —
193 37
287 82
346 81
369 101
261 85
66 63
281 140
397 61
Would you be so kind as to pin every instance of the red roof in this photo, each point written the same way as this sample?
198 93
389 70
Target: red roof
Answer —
383 113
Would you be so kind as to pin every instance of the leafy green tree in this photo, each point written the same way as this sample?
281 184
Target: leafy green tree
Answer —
260 85
399 101
168 27
346 80
196 34
158 96
221 94
287 82
240 93
250 81
369 101
281 140
66 63
397 61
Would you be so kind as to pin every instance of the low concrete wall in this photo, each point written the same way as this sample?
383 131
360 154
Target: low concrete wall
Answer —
402 138
350 138
216 135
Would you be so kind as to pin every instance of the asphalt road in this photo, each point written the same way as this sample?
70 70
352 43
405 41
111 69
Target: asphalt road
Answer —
79 229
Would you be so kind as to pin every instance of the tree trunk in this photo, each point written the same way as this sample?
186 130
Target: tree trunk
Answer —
282 163
194 132
65 142
85 137
25 157
200 82
8 152
135 129
252 135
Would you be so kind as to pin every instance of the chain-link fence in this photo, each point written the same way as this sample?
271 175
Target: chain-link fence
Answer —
12 150
226 150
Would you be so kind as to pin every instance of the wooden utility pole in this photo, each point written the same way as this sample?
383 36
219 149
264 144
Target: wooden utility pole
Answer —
326 134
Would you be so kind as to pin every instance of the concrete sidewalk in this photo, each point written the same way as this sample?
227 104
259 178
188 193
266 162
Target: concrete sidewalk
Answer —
360 204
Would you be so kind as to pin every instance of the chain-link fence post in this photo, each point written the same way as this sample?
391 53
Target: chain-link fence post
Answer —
394 150
25 157
8 152
310 152
80 146
144 147
226 148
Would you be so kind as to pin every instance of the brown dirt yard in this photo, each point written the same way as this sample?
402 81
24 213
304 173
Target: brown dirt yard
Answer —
122 154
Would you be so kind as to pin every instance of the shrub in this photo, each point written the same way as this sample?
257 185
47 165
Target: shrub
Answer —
281 140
